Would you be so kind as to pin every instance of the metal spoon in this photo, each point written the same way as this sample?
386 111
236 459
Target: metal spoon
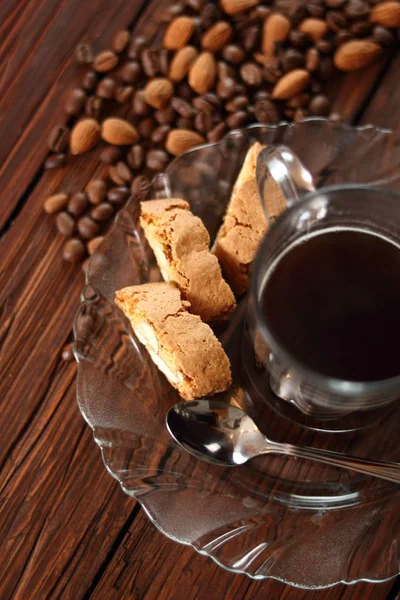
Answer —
225 435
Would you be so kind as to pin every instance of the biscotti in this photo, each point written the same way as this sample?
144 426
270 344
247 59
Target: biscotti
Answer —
180 243
183 347
244 226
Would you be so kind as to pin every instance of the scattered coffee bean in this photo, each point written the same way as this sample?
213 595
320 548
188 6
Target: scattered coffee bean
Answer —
238 103
292 59
89 80
135 156
140 106
107 88
103 212
237 119
93 244
58 139
124 171
74 250
136 46
110 155
150 62
356 9
139 184
298 39
324 46
271 71
250 37
157 160
124 93
84 54
78 203
233 54
65 224
217 133
105 61
361 28
67 354
383 36
299 101
319 106
75 101
195 5
96 191
118 195
203 122
163 61
326 68
146 127
342 37
165 116
130 72
120 41
185 123
251 74
210 14
53 204
115 176
94 106
202 104
159 135
336 20
184 91
88 228
182 107
225 70
312 60
55 161
226 88
266 112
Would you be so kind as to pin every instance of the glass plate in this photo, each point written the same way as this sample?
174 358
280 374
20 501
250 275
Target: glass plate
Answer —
302 523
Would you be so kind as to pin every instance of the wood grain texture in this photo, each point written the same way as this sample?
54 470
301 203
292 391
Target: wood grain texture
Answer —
66 528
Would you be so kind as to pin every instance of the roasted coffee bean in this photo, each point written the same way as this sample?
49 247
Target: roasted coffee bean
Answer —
67 355
139 184
342 37
103 212
266 112
78 203
55 161
316 86
251 74
75 101
172 11
319 106
124 171
150 62
298 39
383 36
356 9
157 160
120 41
237 119
159 135
292 59
105 61
324 46
88 228
165 116
140 107
115 176
94 106
146 127
226 88
233 54
182 107
336 20
210 14
261 95
335 117
312 60
110 155
326 68
315 8
195 5
65 224
96 191
217 133
89 80
184 91
58 138
294 9
271 71
93 244
212 99
163 61
335 3
184 123
298 101
135 156
74 251
260 13
107 88
124 93
202 104
136 46
55 203
130 72
238 103
84 54
299 114
118 195
203 122
360 28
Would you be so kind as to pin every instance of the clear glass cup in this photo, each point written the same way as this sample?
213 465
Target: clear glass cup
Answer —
300 393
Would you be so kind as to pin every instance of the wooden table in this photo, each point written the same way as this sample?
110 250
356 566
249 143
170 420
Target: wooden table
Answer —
66 528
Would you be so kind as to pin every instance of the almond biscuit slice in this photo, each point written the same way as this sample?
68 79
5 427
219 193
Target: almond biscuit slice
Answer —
183 347
180 243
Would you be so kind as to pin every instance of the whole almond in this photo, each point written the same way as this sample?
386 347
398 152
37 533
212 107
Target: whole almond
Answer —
386 14
55 203
217 36
291 84
84 135
178 33
203 72
181 140
158 91
118 132
356 54
233 7
276 29
105 61
181 63
315 29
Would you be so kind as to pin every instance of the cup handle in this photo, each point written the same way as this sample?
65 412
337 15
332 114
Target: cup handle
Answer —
281 179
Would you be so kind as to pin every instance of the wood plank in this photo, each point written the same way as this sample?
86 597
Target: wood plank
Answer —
384 107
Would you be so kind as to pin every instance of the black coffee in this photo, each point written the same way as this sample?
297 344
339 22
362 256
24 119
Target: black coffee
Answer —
333 302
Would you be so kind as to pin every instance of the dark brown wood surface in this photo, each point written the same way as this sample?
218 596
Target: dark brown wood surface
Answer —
66 528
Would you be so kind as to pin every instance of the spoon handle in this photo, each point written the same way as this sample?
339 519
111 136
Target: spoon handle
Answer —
375 468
